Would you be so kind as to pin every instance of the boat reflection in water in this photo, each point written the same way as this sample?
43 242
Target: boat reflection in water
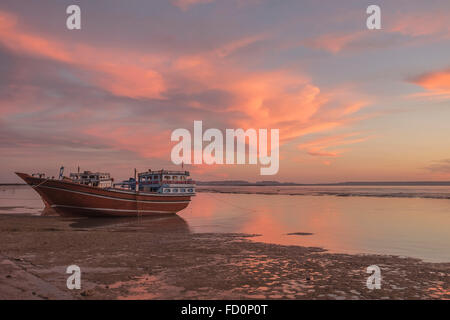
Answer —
154 224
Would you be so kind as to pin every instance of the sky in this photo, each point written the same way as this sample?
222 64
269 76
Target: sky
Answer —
351 104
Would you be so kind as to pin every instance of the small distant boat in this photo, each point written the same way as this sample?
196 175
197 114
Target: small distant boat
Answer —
94 194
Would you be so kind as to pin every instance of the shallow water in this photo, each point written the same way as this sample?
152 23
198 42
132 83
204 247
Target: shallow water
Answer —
20 199
355 220
408 226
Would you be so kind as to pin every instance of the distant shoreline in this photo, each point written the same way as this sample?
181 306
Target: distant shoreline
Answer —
341 184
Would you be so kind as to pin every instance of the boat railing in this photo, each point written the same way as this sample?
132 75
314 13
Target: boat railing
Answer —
169 182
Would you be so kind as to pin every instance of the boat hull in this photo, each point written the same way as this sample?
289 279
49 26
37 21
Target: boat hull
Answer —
69 199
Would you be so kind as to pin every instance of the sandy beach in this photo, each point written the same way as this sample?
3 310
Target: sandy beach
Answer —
160 258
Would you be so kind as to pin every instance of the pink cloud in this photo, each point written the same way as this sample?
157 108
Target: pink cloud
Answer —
273 99
321 147
437 83
186 4
334 42
420 24
234 46
142 140
127 74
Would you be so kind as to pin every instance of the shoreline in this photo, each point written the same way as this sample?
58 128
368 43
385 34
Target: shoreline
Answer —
160 258
318 193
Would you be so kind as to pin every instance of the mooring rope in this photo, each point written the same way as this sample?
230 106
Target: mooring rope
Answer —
40 183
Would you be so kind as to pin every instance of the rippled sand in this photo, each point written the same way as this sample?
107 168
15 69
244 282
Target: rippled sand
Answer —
161 259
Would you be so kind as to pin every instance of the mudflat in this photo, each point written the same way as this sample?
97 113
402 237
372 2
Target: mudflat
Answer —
160 258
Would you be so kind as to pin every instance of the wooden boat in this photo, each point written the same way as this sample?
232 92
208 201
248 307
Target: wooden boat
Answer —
81 197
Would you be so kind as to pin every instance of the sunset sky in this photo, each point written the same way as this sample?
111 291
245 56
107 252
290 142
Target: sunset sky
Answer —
351 104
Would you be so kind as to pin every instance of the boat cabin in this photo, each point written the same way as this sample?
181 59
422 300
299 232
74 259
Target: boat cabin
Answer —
93 179
166 181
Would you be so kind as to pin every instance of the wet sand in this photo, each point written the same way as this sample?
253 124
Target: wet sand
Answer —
160 258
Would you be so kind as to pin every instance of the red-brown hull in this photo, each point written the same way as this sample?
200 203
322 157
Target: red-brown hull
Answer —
68 198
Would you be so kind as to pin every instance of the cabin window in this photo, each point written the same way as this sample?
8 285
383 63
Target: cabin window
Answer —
166 177
190 190
166 190
175 190
182 190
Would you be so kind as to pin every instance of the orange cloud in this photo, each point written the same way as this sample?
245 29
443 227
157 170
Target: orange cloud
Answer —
334 42
133 138
186 4
422 24
275 99
272 99
233 46
318 147
113 70
437 83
